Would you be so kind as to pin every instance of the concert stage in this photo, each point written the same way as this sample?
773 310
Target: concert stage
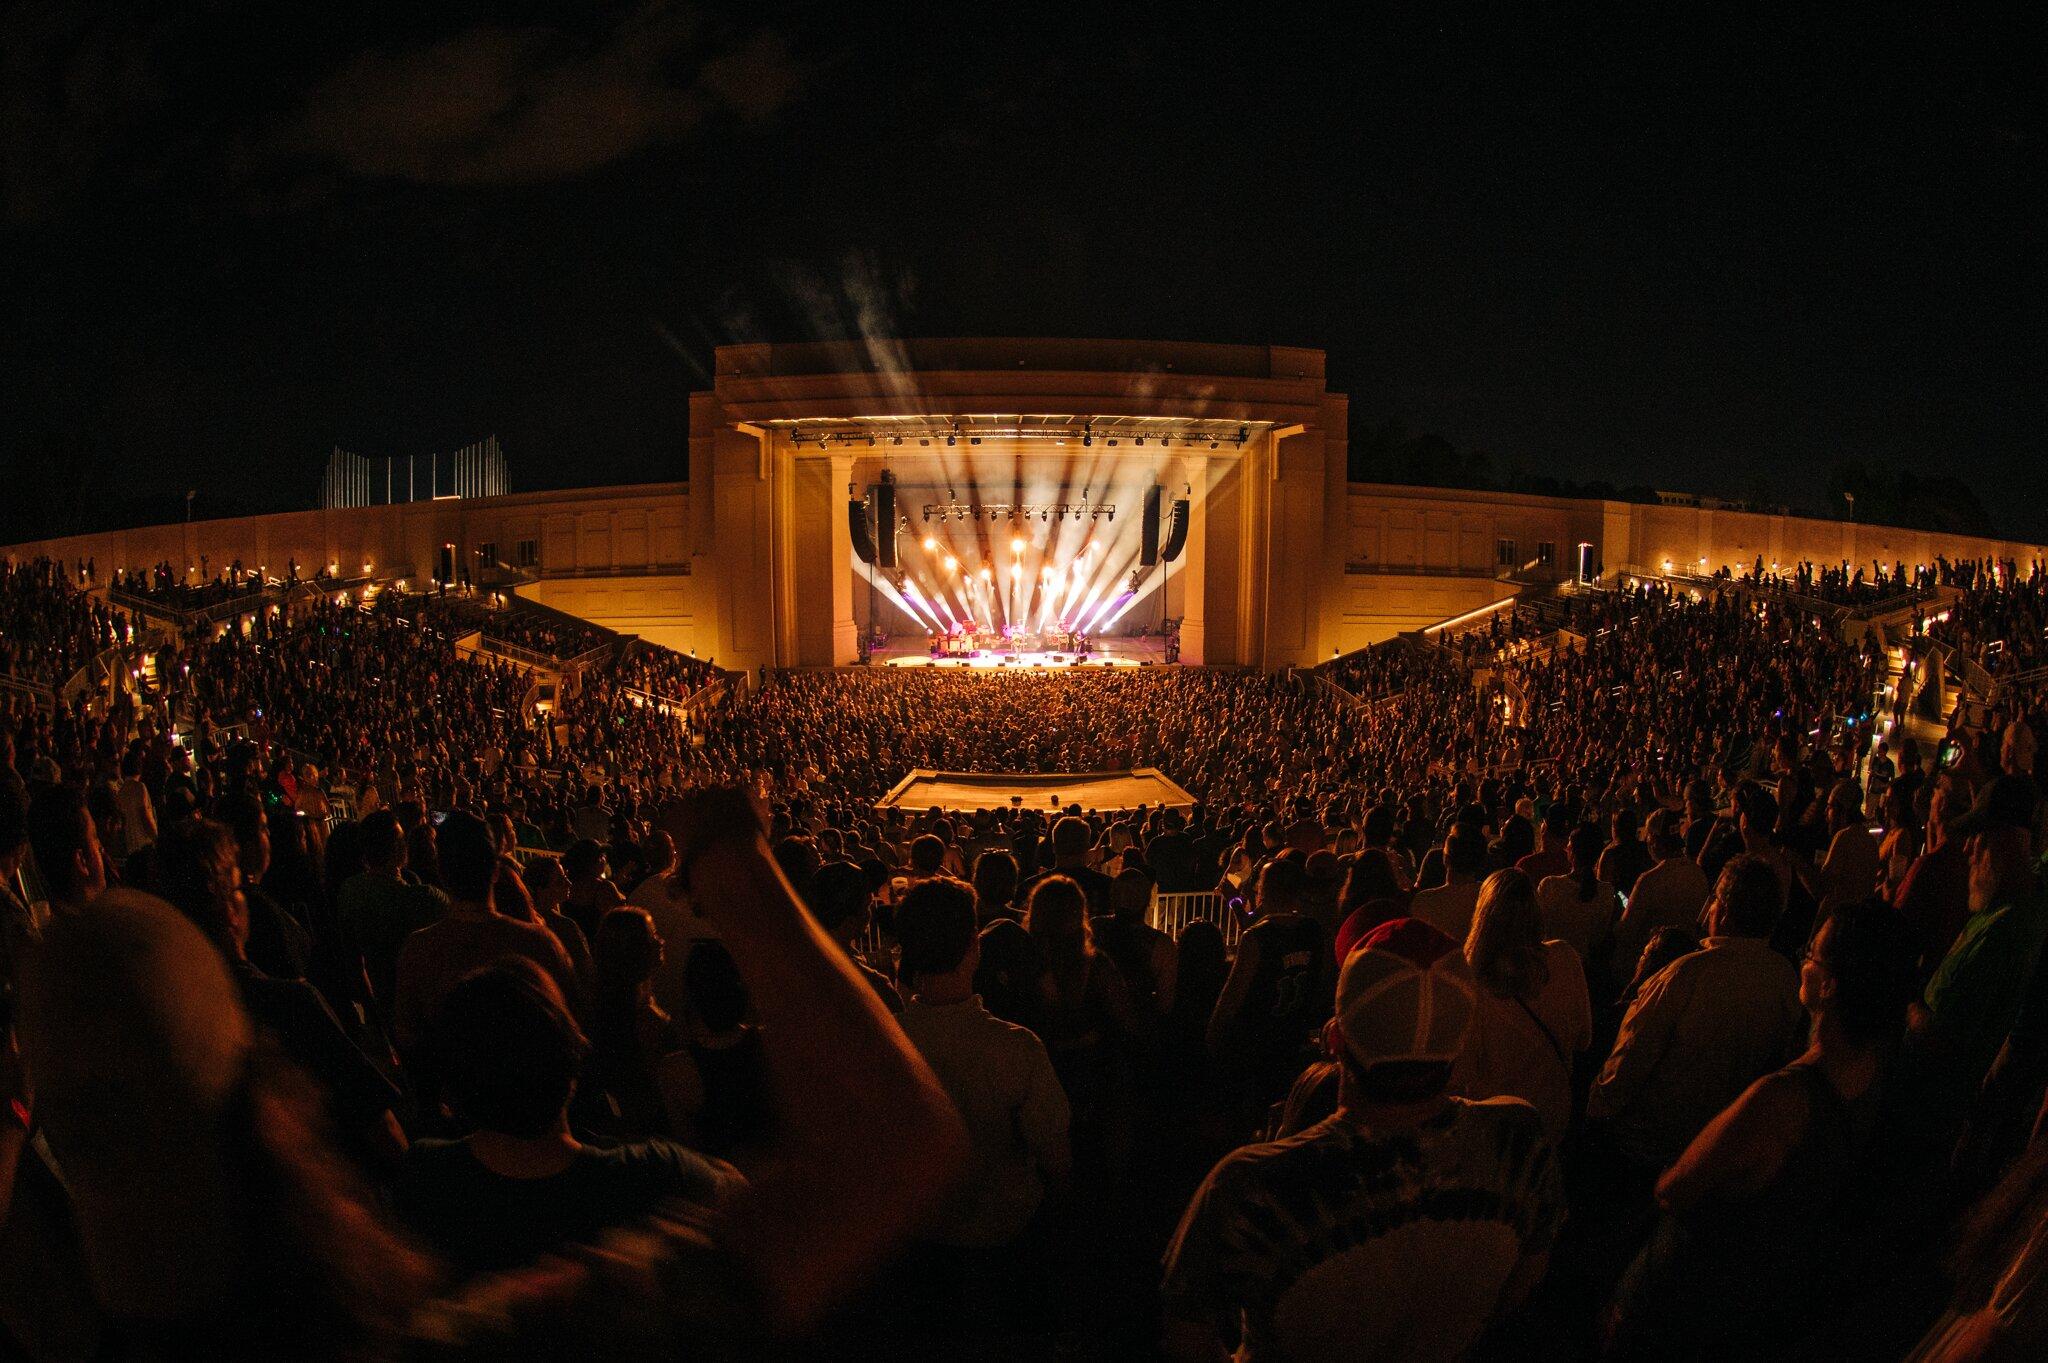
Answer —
1106 653
1047 791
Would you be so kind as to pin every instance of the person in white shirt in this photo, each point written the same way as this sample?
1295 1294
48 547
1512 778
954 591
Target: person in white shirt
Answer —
1848 875
1668 895
1534 1015
1448 907
998 1075
1702 1029
1580 908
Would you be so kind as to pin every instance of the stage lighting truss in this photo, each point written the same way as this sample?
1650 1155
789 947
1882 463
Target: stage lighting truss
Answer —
1086 432
997 512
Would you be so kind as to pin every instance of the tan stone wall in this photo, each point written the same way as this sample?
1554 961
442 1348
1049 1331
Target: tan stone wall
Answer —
590 528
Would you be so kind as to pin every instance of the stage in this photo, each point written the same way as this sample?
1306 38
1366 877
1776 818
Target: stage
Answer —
1045 791
1105 653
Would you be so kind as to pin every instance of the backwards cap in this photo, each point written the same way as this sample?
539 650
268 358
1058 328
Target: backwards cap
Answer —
1405 993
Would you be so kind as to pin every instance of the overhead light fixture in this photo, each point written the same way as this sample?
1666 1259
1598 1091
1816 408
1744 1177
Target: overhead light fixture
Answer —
974 440
949 440
898 440
1112 442
930 543
1141 440
1087 437
925 440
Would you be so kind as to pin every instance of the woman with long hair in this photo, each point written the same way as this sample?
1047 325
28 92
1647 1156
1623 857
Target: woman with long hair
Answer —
630 1034
1372 895
1534 1017
1089 1021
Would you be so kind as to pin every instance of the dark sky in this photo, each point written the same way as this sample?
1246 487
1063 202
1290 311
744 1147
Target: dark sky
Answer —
1681 250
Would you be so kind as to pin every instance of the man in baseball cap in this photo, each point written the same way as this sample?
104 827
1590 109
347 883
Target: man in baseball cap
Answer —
1397 1227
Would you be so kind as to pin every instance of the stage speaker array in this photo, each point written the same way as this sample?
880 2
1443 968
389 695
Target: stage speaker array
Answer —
863 532
1176 531
885 521
1148 541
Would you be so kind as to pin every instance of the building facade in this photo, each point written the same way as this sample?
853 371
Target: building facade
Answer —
1019 473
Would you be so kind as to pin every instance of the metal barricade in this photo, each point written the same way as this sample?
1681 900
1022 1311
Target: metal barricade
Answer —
1172 912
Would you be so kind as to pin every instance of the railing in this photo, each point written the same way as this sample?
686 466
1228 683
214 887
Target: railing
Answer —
527 855
98 670
37 692
681 569
1170 913
518 653
1417 569
186 617
1975 677
2016 682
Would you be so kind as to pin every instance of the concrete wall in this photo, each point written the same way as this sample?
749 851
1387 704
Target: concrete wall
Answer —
585 529
673 610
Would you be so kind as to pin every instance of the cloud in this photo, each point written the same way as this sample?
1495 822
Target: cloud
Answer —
494 105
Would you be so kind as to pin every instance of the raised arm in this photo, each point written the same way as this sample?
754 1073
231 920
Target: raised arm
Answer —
845 1079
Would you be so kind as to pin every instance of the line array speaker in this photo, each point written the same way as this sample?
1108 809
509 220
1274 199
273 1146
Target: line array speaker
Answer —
1148 541
885 521
863 533
1176 531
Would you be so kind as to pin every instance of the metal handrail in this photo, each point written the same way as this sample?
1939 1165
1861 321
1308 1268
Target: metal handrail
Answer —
1417 569
38 692
1170 913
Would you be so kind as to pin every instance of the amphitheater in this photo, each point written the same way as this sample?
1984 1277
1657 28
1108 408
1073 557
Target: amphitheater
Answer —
1129 490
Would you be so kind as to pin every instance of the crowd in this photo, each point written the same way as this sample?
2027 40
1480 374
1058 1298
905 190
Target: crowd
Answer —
166 586
664 672
1641 999
549 633
48 630
1840 584
1999 623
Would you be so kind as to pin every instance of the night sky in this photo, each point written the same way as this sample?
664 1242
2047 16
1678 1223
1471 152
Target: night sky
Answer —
1680 251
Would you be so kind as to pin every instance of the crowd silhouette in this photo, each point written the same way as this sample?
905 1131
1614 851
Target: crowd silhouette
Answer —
1645 994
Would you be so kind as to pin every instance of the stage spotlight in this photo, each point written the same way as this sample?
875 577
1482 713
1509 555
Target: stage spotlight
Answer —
1140 440
986 572
930 544
1017 546
1112 513
925 441
949 440
1112 442
1087 437
952 564
1212 444
897 441
974 440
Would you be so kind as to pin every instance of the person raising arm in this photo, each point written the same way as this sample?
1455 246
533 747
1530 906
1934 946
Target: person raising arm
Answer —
844 1077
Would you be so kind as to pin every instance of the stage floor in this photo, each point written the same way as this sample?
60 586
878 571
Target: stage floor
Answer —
1107 653
1047 791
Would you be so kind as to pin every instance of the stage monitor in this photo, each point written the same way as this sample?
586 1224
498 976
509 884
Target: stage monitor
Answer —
1177 531
1148 538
